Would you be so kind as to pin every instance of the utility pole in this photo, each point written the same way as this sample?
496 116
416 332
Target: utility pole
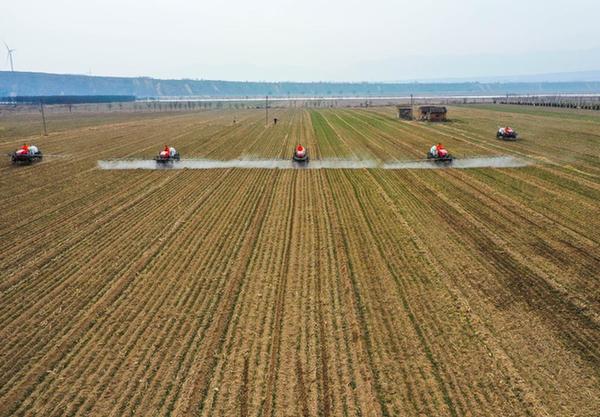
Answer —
43 117
267 111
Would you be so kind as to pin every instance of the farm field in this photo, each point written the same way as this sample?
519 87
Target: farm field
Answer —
301 292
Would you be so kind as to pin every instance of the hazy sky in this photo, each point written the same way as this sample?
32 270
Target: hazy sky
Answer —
302 40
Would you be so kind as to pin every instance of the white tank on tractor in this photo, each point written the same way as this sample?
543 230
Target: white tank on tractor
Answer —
300 154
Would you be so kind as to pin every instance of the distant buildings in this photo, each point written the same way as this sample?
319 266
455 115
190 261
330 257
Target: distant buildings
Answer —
405 112
433 113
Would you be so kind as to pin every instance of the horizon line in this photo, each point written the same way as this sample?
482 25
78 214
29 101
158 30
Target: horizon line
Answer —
500 79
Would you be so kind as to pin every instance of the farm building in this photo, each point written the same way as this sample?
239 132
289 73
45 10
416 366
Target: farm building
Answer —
433 113
405 112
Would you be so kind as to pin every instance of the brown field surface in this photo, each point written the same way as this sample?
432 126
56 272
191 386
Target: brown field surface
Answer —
256 292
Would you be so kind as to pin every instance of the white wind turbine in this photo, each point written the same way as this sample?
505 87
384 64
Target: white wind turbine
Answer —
10 56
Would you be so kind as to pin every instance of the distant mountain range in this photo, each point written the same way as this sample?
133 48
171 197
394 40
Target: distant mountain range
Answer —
559 77
43 84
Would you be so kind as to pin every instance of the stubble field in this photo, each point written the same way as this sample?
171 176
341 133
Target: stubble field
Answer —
323 292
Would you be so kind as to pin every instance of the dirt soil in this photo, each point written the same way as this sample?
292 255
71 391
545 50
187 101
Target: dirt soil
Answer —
325 292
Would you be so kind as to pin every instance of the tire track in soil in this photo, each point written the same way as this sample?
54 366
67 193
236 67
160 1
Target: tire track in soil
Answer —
266 273
243 396
324 372
308 230
250 330
357 384
245 336
343 393
339 229
195 389
280 306
302 397
326 410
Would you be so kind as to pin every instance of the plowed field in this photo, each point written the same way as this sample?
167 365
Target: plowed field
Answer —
326 292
